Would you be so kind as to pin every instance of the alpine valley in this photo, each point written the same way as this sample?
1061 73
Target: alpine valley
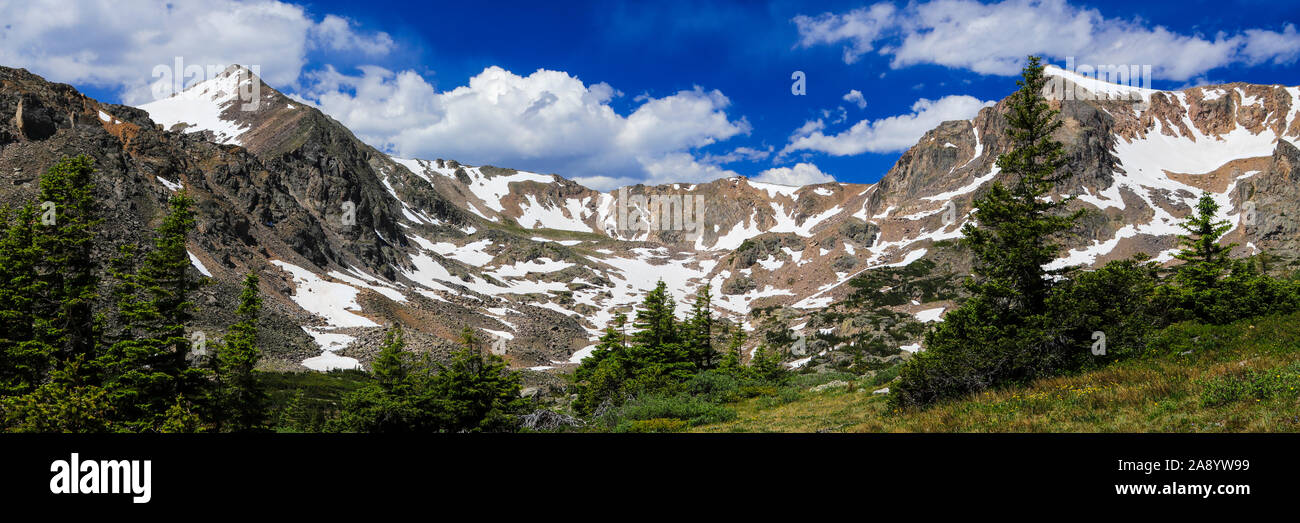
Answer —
348 239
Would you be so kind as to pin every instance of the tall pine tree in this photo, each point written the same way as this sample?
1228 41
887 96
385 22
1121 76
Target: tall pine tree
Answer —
699 330
48 284
24 359
602 375
1002 333
166 269
67 268
135 364
147 368
1012 235
244 405
474 393
397 399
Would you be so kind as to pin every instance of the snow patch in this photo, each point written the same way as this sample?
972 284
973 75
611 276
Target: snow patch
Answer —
329 300
170 184
930 315
198 264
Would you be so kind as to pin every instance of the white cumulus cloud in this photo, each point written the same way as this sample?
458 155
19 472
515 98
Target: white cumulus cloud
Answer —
973 35
801 174
891 134
115 44
548 121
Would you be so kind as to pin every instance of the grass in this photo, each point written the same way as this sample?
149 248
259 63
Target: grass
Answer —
1243 377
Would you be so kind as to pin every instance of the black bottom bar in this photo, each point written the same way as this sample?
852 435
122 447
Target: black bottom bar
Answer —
525 473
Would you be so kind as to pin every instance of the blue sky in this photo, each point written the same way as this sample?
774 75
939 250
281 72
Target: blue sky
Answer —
650 91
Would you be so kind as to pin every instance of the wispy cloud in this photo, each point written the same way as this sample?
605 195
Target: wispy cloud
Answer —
855 97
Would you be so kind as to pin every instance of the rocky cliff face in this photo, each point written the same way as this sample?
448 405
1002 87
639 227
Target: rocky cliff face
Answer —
349 239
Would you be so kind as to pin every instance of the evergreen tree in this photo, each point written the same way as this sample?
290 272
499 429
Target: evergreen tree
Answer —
699 330
135 363
1213 288
602 375
1012 233
392 401
478 391
67 270
655 322
146 365
659 356
731 359
1205 261
48 284
663 352
166 271
392 366
475 393
180 418
24 359
244 405
767 365
1003 333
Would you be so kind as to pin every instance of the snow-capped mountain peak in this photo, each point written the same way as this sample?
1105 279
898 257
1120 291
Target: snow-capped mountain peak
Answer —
224 105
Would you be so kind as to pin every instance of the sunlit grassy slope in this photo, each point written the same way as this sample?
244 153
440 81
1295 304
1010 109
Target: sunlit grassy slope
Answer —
1195 378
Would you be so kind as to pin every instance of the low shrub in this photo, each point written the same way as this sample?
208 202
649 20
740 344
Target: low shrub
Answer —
693 410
